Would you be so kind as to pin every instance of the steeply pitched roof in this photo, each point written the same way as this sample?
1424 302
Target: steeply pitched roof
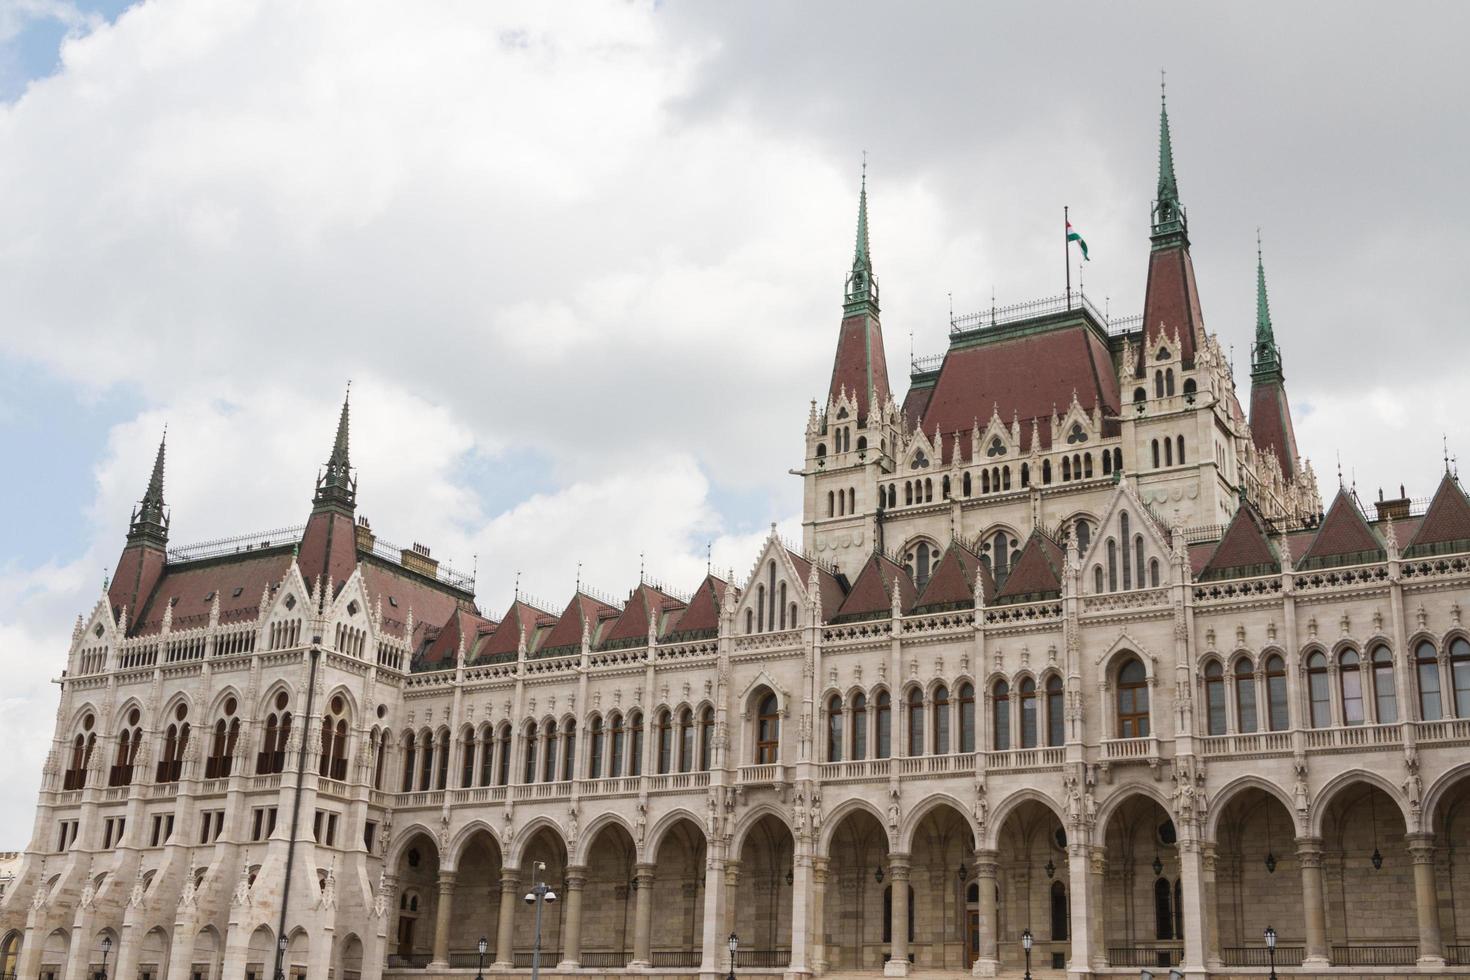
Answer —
1037 574
832 588
504 642
1270 424
1344 537
443 651
1446 524
582 610
1008 376
872 592
239 580
1244 549
631 628
702 617
952 586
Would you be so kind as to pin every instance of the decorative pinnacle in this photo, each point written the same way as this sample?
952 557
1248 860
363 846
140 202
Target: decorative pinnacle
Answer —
1168 186
1265 355
862 288
149 521
336 484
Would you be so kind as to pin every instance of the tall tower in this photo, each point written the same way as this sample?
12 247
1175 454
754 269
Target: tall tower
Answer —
143 558
1171 303
329 544
850 439
1270 420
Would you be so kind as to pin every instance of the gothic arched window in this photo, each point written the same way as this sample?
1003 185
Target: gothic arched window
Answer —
1277 714
1056 714
1245 696
1426 668
1385 694
1319 695
834 729
1350 680
1000 716
768 731
1133 720
967 717
1215 697
916 721
859 736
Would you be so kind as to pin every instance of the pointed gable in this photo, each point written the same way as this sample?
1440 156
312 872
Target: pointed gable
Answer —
952 586
442 653
631 628
1446 525
701 618
872 592
583 612
1270 425
1344 537
503 643
1243 551
1037 574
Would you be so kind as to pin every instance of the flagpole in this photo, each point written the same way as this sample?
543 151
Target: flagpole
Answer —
1067 253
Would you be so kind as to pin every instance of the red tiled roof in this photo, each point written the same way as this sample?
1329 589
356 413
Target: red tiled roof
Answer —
189 587
703 615
872 592
1028 377
915 403
1243 549
138 572
401 591
633 623
329 549
1343 534
1446 524
860 361
583 609
520 619
1271 425
1199 556
444 650
1037 572
953 582
1171 299
832 589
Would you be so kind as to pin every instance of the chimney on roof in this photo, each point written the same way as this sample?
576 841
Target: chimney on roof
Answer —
1396 509
365 536
416 559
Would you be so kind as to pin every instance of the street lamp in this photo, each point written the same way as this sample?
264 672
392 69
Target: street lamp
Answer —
483 946
1271 949
106 948
539 896
281 958
1026 942
734 947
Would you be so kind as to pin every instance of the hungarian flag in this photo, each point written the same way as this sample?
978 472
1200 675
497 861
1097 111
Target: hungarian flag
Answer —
1072 236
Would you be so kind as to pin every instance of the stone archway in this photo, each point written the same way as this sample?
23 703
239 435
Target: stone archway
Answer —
677 938
606 939
411 937
350 959
1367 873
853 906
260 955
1142 914
153 955
10 953
204 962
1258 882
298 953
477 898
760 906
1451 825
941 861
53 954
543 859
1025 884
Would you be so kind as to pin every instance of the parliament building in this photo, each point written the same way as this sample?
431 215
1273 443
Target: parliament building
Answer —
1072 647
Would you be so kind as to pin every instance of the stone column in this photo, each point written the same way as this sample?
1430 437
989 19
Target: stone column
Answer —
643 917
442 916
1097 874
732 895
898 957
1309 854
571 952
714 960
1431 950
510 886
1211 907
801 912
1191 887
819 915
987 960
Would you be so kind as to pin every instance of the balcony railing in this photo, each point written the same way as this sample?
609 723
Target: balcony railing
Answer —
1261 956
1140 956
770 773
1250 743
1130 749
1374 954
763 958
1038 758
672 958
602 959
1353 737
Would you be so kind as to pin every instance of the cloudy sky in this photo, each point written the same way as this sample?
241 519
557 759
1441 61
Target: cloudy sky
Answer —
583 263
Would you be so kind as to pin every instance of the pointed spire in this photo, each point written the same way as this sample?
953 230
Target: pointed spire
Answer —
1265 355
862 287
150 523
1168 213
336 485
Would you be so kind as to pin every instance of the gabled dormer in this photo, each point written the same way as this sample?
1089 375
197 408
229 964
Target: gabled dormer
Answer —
1446 525
1344 537
775 594
1244 551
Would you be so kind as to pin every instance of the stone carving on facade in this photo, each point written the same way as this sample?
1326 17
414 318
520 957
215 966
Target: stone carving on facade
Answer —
1301 797
895 814
1413 784
383 896
642 822
981 806
329 889
572 829
89 892
242 887
188 897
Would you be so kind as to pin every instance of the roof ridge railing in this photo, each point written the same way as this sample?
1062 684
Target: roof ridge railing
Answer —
997 316
443 571
237 544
